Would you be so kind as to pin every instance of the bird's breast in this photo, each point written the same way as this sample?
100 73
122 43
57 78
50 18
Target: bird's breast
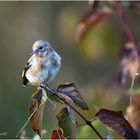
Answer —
35 71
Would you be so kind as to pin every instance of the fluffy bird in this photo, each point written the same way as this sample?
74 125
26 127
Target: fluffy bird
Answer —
43 65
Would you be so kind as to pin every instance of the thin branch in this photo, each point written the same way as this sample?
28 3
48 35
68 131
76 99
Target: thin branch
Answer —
55 93
132 83
121 14
27 122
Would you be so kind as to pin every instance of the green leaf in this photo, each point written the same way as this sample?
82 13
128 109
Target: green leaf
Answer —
53 98
66 122
71 91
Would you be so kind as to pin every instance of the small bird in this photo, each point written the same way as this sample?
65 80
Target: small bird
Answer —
42 66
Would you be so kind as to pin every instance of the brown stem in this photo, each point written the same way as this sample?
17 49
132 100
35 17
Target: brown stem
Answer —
123 20
55 93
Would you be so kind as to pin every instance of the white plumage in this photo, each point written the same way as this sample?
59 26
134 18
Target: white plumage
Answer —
43 65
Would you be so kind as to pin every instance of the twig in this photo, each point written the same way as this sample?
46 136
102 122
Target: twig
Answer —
55 93
123 20
26 122
132 83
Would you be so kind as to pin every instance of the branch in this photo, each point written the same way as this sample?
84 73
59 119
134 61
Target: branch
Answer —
55 93
121 14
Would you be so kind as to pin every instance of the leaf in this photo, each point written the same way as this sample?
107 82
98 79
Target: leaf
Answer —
66 122
71 91
58 134
39 98
65 98
36 110
90 20
53 98
116 122
36 119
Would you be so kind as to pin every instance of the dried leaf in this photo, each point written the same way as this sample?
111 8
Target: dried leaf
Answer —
36 119
71 91
67 123
116 122
36 110
58 134
129 65
88 21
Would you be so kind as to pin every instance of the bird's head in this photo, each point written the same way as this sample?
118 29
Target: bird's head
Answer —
42 48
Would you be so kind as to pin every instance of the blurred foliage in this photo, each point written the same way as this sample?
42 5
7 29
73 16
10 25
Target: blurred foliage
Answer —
92 65
85 132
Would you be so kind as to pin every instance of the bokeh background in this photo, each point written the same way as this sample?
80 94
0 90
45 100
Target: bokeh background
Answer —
92 65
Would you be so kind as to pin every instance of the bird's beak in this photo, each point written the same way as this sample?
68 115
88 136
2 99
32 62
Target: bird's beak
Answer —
34 52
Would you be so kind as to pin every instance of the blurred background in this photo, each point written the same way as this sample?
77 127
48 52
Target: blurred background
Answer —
92 64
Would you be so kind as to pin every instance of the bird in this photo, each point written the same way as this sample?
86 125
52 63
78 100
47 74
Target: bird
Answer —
43 65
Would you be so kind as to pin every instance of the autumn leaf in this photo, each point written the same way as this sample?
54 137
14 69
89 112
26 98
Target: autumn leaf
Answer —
58 134
66 122
116 122
71 91
36 110
36 119
88 21
96 14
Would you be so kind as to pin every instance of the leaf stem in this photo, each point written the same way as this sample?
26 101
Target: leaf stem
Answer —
89 123
121 14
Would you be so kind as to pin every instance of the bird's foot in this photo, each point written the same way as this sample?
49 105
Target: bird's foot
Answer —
44 86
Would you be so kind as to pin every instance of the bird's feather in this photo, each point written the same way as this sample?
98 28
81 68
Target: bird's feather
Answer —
25 80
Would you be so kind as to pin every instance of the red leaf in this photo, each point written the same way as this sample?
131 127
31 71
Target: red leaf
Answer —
58 134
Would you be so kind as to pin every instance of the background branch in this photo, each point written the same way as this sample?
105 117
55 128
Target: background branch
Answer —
121 14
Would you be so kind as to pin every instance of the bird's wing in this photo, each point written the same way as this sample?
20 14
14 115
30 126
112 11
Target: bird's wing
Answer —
25 80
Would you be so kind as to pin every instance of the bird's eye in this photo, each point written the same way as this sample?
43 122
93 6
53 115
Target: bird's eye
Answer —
40 48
